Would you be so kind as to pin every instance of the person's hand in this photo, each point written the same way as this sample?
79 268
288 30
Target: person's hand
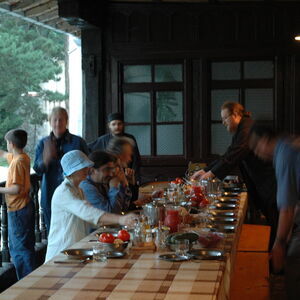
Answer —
130 175
157 194
207 175
120 175
129 172
128 220
277 256
49 152
198 174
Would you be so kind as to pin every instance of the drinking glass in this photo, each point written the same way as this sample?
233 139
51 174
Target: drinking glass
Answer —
171 194
181 247
99 252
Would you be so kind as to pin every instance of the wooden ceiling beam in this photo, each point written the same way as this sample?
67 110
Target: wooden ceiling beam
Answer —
41 9
48 17
21 5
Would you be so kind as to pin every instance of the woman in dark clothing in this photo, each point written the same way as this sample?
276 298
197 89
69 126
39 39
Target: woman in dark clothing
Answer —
259 176
48 154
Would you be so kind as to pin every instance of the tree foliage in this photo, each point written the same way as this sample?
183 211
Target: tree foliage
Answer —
29 56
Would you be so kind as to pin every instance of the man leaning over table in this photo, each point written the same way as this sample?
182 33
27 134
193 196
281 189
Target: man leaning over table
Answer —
285 153
70 210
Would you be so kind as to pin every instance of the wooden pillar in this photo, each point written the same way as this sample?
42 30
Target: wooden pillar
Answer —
94 113
4 232
34 197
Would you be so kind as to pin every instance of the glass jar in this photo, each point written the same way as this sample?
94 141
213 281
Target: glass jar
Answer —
173 218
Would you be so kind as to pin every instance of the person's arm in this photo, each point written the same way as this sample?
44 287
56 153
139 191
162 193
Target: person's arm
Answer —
3 154
94 197
136 161
235 153
45 152
12 190
91 214
127 220
285 225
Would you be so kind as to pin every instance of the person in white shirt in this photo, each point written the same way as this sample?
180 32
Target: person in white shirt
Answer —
70 210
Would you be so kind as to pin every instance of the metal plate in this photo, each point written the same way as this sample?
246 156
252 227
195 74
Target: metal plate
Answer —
78 253
228 200
222 227
174 257
232 189
223 220
219 213
115 254
224 206
207 254
230 194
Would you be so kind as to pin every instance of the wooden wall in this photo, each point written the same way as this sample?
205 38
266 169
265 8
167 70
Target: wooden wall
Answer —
194 34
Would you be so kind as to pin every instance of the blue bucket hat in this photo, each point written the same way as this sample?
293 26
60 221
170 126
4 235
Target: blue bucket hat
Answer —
73 161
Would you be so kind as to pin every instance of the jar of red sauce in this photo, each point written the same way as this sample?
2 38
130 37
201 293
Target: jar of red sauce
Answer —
173 218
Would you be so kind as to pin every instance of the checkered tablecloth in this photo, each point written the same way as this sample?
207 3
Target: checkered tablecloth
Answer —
136 276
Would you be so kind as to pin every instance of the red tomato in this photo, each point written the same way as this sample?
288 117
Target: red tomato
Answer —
179 180
123 235
106 238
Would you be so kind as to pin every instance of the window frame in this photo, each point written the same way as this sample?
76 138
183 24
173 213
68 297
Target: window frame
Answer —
152 88
241 85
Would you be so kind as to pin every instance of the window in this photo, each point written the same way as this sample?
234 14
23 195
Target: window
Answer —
250 83
153 105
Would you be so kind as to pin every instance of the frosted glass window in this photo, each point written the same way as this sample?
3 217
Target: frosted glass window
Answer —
168 73
137 107
226 70
140 73
169 140
220 139
258 69
260 103
218 97
142 135
169 106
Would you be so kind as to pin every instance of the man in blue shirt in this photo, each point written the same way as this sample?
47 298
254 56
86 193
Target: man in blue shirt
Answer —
285 153
116 128
106 187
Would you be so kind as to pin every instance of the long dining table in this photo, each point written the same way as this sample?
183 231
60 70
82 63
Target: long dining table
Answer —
135 276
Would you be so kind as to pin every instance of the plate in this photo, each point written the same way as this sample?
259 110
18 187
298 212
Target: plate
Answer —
115 254
174 257
222 227
223 220
78 253
207 254
230 194
219 213
224 206
232 189
228 200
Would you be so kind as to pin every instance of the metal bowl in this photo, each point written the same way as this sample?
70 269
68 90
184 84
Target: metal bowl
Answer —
115 247
78 253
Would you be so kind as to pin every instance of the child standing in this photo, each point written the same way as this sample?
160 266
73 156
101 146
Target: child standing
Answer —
19 205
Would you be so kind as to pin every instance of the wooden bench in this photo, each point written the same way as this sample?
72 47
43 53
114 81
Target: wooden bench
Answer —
250 280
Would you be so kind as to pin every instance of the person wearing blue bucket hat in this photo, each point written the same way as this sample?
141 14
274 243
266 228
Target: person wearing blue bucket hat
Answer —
71 213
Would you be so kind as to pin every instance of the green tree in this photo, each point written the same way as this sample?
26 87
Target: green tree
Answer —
29 56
